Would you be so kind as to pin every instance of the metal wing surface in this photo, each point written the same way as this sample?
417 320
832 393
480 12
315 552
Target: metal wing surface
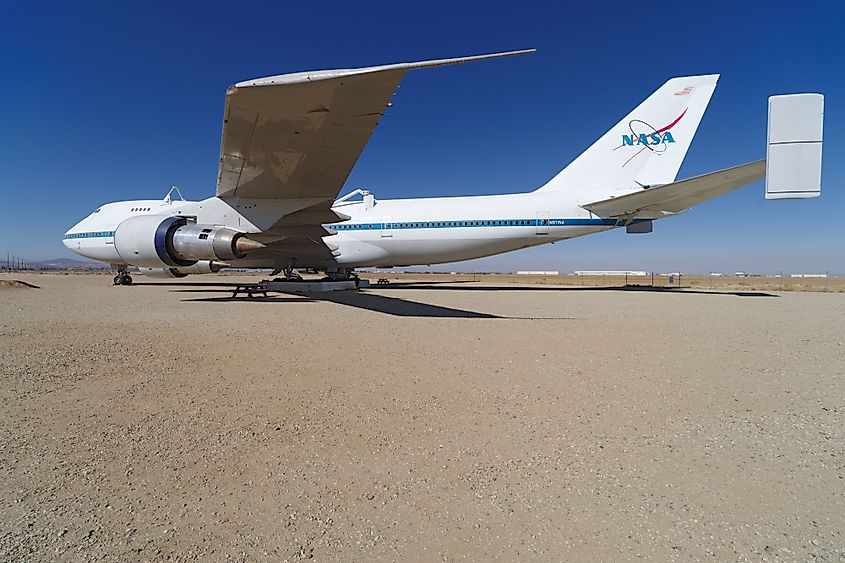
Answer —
297 136
678 196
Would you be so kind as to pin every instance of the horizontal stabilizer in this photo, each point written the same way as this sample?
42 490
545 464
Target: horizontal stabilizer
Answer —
657 202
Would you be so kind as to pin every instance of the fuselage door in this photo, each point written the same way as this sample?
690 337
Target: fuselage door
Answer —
542 223
386 227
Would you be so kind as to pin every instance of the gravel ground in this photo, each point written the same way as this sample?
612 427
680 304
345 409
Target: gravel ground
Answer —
438 421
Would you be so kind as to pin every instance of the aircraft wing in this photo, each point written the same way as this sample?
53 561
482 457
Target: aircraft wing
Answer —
297 136
660 201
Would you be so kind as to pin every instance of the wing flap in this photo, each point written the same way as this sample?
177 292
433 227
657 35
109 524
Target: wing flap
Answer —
669 199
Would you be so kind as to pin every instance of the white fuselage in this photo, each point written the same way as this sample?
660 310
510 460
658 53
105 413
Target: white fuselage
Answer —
401 232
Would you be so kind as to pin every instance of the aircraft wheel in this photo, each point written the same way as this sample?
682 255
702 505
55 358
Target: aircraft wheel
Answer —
126 279
118 280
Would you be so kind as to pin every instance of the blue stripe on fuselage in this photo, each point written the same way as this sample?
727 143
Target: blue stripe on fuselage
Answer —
96 234
404 225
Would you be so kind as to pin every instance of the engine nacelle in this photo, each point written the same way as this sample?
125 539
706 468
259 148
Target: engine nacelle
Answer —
202 267
205 242
153 241
161 272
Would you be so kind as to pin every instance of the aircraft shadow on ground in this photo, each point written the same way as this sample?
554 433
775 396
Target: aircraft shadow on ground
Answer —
255 299
373 301
396 306
359 299
448 285
188 284
232 285
630 288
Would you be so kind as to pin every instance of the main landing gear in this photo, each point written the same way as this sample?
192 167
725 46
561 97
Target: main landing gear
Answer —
344 274
122 278
290 273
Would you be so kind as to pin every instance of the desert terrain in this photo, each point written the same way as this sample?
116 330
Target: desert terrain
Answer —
428 420
832 284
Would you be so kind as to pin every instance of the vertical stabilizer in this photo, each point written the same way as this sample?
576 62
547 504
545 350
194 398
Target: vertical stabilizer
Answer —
646 148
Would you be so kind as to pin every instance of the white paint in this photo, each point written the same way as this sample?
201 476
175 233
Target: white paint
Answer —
794 155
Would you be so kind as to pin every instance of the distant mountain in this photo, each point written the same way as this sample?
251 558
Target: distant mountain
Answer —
69 264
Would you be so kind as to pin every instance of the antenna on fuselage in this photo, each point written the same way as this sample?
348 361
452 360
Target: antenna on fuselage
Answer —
169 197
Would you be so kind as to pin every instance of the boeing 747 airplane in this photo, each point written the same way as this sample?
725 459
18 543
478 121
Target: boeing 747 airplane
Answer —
290 142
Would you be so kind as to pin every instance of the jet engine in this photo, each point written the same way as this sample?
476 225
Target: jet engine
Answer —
161 272
153 241
201 267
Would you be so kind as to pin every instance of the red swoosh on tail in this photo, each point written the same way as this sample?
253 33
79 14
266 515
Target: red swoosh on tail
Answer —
673 123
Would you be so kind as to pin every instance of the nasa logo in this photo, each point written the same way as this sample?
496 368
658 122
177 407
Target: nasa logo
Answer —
648 137
655 138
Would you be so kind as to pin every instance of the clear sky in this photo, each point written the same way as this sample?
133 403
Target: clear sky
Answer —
104 101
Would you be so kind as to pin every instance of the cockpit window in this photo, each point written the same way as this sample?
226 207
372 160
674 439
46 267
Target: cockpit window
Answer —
97 210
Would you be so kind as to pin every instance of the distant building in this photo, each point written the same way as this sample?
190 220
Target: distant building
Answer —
808 276
609 273
538 273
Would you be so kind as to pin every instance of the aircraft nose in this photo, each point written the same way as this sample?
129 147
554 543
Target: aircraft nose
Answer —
67 238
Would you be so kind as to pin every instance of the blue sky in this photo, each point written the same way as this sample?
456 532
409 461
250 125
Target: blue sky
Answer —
118 100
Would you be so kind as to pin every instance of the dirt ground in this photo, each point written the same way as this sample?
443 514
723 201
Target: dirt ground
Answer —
832 284
419 422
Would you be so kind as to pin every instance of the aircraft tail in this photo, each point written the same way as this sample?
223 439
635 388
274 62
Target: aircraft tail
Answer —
646 148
